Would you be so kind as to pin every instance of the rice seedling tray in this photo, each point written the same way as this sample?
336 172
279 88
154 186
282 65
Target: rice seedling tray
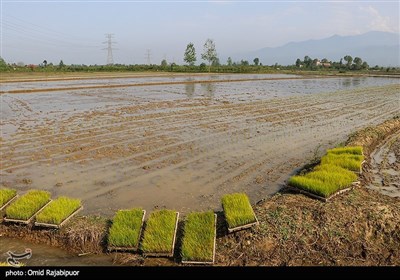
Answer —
319 197
8 202
155 253
29 219
241 203
249 225
129 248
214 247
62 223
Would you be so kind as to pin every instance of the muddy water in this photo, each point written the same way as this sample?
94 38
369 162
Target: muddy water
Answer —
43 255
385 167
180 146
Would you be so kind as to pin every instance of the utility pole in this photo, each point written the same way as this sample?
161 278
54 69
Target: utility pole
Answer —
148 56
109 42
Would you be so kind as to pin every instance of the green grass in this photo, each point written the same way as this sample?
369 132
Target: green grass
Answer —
125 228
58 210
160 232
238 210
355 150
6 195
349 161
198 237
25 206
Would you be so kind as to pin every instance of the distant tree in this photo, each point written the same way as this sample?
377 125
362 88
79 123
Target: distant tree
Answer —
3 64
324 60
357 63
244 63
164 63
364 65
307 61
61 64
229 61
203 66
216 62
298 62
256 61
190 54
349 61
209 53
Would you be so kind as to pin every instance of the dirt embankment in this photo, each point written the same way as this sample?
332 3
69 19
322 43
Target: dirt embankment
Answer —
360 227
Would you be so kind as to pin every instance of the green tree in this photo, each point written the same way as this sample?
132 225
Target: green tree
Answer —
229 61
307 61
364 65
216 62
3 64
190 54
256 61
164 63
209 53
349 61
298 62
357 63
61 64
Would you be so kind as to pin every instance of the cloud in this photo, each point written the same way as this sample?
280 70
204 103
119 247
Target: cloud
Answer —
377 21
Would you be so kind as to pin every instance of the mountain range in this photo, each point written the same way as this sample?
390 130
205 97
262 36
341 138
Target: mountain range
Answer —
374 47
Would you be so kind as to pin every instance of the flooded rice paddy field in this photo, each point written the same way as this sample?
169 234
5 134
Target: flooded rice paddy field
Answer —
180 146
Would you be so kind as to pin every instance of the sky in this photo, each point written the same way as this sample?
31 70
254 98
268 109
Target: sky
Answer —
74 31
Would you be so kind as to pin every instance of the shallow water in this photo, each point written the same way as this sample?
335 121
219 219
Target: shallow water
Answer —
44 255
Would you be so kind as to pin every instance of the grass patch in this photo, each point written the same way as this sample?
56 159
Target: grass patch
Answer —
27 205
125 229
349 161
6 195
58 210
237 210
198 237
159 234
354 150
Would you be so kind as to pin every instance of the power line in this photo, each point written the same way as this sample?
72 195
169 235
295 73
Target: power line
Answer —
109 42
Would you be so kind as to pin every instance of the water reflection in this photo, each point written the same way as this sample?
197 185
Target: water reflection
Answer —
190 88
208 89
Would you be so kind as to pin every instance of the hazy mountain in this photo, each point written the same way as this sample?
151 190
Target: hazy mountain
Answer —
375 47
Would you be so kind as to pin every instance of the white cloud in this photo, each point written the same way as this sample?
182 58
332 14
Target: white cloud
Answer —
377 21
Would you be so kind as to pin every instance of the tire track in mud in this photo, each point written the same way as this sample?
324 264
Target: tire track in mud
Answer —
43 147
220 149
249 161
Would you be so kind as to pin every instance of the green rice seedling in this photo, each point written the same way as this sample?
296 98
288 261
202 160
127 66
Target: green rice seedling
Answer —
354 150
340 180
313 185
237 210
199 237
58 210
332 168
125 229
348 161
159 234
6 195
27 205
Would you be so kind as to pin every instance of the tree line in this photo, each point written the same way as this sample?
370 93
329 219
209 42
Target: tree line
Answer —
209 55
